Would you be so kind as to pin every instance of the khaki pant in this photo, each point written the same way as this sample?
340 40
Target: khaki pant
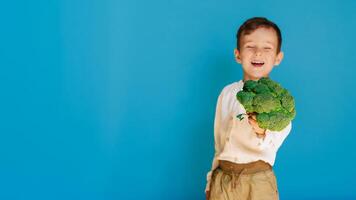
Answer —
259 183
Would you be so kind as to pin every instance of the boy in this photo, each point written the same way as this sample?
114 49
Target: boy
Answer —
244 152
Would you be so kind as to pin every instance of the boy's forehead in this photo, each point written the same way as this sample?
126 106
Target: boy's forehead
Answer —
266 41
266 35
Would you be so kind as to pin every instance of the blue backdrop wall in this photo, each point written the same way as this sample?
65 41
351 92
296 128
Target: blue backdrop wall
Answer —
116 99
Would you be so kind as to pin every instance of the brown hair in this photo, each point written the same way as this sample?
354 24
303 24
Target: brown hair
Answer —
254 23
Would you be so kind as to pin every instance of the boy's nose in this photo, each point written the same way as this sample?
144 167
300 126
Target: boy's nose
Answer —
258 52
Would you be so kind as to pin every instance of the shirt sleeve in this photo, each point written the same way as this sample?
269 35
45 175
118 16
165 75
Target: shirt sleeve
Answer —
274 139
217 128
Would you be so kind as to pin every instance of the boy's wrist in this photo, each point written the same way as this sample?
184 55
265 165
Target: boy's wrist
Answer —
261 133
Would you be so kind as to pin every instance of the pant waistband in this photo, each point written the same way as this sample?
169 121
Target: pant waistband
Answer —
247 168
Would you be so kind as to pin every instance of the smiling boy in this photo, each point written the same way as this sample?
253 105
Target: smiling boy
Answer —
244 156
258 51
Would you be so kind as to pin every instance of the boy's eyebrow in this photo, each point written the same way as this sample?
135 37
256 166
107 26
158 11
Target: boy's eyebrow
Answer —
248 41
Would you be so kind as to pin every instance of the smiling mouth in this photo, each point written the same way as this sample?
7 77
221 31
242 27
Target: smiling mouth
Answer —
257 63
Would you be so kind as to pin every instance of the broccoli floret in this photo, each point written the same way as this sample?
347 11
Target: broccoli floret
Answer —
265 102
273 105
274 121
292 114
261 88
275 87
246 98
249 85
287 100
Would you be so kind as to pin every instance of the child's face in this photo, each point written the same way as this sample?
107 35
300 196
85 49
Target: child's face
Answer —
258 53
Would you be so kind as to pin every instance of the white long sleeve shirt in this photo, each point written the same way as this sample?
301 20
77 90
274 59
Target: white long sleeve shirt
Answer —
235 139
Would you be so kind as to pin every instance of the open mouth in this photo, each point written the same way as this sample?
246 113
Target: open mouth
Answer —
257 63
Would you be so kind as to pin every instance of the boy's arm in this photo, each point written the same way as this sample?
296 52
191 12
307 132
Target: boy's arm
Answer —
274 139
217 125
253 122
215 164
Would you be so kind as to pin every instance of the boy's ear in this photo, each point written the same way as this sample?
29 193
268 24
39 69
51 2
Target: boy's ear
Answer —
237 55
279 58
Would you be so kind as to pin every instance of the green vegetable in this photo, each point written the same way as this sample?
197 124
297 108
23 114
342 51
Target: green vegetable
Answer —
273 105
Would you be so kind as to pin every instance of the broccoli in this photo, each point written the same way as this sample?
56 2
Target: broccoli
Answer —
273 105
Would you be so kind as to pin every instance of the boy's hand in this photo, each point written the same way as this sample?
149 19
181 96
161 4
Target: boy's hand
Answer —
253 122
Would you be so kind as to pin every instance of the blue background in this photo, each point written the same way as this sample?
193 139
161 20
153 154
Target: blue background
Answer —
116 99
